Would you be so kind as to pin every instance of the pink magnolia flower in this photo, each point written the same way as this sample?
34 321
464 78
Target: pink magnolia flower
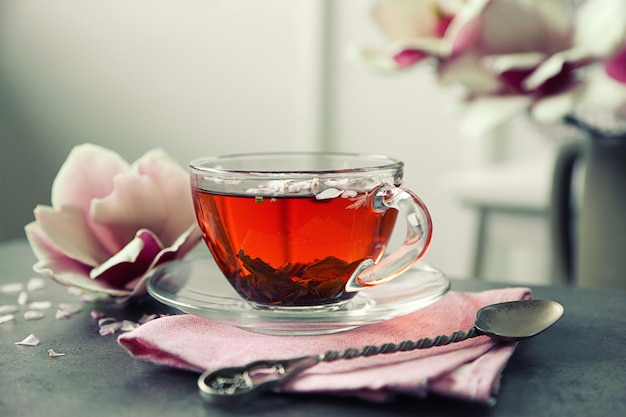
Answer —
508 55
415 30
520 56
110 222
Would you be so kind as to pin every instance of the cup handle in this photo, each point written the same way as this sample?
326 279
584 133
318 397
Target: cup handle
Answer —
418 237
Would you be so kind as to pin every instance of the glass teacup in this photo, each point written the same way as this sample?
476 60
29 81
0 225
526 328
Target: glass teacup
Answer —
306 230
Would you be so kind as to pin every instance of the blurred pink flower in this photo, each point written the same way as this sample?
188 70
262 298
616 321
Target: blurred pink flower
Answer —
615 66
508 56
110 222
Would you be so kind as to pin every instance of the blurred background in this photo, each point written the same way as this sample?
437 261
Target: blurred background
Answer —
209 77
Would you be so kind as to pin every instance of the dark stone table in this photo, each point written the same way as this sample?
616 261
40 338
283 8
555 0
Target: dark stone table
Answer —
576 368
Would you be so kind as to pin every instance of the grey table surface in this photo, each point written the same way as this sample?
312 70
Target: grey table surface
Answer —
576 368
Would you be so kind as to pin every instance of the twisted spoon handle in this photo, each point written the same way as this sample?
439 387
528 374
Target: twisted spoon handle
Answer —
405 346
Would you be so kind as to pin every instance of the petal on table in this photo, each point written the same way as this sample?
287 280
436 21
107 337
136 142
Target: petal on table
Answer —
62 269
68 230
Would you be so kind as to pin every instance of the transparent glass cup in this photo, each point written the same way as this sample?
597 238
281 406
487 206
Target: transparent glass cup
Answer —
306 230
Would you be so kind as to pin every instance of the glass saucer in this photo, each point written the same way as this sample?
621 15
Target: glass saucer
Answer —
198 287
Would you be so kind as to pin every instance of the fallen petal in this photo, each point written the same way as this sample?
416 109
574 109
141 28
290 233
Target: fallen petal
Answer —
22 299
110 328
33 315
8 308
95 314
6 318
54 354
62 314
12 287
76 291
40 305
70 308
147 317
128 326
30 340
35 283
106 320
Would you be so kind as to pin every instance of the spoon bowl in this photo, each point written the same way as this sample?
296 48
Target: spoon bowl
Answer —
517 320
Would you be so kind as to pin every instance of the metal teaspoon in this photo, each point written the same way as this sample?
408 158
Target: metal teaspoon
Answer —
510 321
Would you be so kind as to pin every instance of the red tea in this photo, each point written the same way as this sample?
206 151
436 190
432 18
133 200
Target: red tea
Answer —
291 250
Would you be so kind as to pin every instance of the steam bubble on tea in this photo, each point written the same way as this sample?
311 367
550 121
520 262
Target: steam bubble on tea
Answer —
297 241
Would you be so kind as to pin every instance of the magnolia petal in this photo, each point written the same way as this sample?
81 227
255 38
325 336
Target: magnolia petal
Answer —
134 203
40 305
553 66
62 269
379 60
615 66
553 108
514 26
33 315
8 308
484 114
30 340
68 231
173 186
5 318
110 328
22 299
328 193
183 245
427 46
603 91
464 29
12 287
497 64
402 20
70 308
35 283
556 15
88 173
467 71
601 26
54 354
129 263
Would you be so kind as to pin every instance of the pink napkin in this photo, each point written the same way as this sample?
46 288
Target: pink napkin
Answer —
470 369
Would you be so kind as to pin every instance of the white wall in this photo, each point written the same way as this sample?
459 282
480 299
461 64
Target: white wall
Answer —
194 77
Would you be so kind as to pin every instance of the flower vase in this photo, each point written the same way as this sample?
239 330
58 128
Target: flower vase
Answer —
590 248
